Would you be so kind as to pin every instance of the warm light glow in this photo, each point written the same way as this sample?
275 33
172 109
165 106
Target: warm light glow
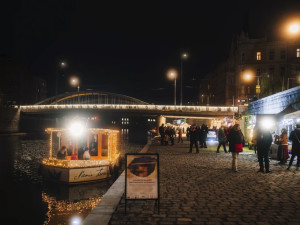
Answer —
294 28
62 64
76 129
184 55
290 28
74 81
248 75
172 74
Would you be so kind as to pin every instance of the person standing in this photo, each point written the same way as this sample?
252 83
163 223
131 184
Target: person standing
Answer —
193 139
264 140
236 141
295 138
188 133
180 135
172 135
161 131
203 136
284 153
221 139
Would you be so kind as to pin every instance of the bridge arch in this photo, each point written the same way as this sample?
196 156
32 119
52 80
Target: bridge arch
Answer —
91 97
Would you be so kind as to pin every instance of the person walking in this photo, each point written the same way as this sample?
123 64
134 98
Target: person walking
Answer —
193 139
264 140
236 141
295 138
221 139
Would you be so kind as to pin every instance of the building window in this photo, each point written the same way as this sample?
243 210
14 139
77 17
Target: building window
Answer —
125 120
272 54
298 52
282 54
258 56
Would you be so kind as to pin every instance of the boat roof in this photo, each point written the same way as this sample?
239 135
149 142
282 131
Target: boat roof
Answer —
89 129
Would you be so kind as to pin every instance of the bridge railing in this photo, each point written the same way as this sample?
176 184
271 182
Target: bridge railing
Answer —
233 109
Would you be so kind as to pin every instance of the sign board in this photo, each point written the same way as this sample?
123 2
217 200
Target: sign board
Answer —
142 176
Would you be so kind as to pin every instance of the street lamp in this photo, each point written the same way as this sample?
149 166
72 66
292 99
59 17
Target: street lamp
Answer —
62 65
294 28
75 82
172 74
183 56
248 76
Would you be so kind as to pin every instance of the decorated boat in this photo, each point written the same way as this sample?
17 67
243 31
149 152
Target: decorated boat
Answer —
101 144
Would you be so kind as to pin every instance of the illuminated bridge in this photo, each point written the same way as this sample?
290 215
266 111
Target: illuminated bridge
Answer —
107 110
104 101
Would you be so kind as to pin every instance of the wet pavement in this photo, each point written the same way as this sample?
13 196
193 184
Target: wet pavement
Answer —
202 189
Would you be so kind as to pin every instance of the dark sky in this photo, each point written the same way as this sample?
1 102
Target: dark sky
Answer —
126 48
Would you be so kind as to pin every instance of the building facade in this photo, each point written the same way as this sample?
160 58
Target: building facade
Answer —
254 69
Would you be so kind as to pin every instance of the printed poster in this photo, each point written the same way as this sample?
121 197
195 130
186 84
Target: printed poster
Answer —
142 176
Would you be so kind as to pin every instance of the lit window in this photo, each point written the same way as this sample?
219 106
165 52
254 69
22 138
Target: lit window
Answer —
298 52
258 56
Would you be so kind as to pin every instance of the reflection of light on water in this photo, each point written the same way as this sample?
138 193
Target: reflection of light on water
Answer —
60 208
75 220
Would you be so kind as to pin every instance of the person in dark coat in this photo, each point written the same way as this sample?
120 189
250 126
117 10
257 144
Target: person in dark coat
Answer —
193 138
161 131
295 138
264 140
235 136
203 136
62 153
222 139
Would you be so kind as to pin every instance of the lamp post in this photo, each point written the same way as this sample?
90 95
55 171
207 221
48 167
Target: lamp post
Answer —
183 56
172 74
75 82
293 31
62 65
248 76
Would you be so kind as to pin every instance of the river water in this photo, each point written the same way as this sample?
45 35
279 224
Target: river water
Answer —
28 199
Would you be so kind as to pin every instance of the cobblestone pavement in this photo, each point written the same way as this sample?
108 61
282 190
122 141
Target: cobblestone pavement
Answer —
202 189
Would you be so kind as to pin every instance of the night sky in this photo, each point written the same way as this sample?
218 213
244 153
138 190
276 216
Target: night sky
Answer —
127 48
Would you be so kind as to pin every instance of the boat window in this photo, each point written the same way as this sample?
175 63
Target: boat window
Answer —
93 144
104 151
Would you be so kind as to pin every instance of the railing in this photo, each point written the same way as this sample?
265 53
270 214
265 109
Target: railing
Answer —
133 107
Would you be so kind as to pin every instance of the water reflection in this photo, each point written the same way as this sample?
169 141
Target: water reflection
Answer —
64 202
28 199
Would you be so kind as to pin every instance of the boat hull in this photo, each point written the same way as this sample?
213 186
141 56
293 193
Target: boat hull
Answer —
76 175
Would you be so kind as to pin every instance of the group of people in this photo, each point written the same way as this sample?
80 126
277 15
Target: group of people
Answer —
168 133
198 133
263 139
83 154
